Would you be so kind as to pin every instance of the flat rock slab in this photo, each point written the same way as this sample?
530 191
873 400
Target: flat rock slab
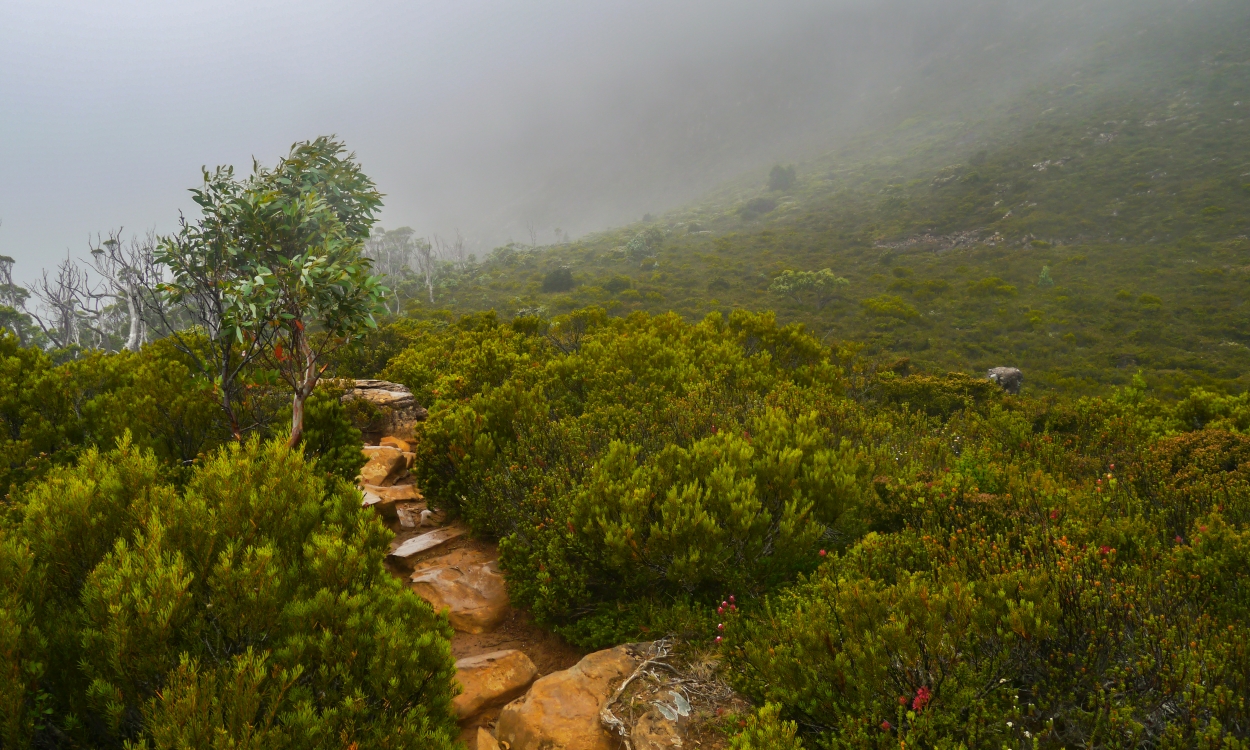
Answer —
396 443
395 492
468 585
491 680
561 710
409 550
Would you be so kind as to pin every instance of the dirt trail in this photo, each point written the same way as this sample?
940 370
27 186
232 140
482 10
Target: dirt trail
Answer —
548 651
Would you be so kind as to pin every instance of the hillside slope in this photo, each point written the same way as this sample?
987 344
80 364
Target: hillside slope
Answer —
1083 229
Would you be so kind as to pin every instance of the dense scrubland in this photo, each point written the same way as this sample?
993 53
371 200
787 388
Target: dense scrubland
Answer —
1093 226
689 427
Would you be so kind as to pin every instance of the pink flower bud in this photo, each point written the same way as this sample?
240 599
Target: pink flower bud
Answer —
718 639
720 626
731 598
720 610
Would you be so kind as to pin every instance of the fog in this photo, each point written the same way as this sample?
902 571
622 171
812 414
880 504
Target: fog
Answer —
488 117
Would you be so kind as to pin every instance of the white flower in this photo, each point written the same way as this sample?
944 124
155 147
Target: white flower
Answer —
1009 723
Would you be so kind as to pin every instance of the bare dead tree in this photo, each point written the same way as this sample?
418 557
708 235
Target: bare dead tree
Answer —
533 232
130 274
424 258
457 250
62 303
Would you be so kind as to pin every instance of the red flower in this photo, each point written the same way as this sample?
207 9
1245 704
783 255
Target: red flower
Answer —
885 726
1104 550
922 699
1054 514
822 553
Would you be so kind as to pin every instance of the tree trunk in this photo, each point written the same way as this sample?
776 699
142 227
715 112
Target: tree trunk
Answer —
297 419
302 392
133 341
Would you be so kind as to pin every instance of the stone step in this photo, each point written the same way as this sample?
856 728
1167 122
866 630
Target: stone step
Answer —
385 465
407 553
561 710
491 680
468 585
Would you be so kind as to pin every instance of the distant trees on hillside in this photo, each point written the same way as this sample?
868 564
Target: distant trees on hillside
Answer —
782 177
817 288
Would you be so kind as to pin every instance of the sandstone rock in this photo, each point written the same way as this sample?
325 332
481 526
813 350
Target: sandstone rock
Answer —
390 441
491 680
1010 378
398 410
384 467
467 584
561 710
486 741
399 491
385 507
409 550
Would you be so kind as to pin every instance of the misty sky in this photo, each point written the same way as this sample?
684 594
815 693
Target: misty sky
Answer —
482 116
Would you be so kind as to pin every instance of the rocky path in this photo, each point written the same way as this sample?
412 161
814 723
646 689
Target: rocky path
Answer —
524 688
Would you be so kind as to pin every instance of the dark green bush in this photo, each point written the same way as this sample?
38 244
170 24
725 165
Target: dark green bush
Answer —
250 609
558 280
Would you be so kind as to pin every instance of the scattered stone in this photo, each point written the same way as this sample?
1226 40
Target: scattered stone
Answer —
398 410
561 710
385 507
390 441
486 741
384 467
467 583
409 550
1010 378
491 680
409 515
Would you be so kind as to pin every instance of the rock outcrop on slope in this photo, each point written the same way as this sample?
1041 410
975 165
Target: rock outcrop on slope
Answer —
395 413
1008 378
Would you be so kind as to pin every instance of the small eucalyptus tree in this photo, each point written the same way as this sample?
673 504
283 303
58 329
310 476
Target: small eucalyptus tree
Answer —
274 270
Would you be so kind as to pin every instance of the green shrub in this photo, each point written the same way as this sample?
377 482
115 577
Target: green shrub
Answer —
889 306
330 436
767 731
1025 595
618 460
250 609
558 280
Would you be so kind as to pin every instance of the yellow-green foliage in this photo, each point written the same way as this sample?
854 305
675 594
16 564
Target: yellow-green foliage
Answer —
915 558
618 459
767 731
249 609
1068 587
